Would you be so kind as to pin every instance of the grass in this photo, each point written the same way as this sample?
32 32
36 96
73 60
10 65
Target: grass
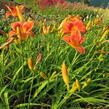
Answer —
22 88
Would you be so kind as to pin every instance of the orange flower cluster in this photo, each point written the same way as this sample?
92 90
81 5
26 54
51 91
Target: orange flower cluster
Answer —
72 27
21 29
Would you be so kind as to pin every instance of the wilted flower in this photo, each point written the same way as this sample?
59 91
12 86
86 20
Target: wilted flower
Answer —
10 40
75 40
98 21
101 51
39 57
2 32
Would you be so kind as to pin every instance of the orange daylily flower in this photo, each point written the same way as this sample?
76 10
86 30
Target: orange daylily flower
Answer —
69 24
75 40
24 29
13 11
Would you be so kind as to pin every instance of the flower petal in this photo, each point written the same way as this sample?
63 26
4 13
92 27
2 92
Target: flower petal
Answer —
16 24
24 36
72 43
31 34
81 40
12 33
66 39
27 26
81 49
14 13
67 27
75 35
80 25
8 14
10 8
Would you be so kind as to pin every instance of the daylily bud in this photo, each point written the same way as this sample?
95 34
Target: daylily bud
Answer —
53 74
43 75
30 63
65 74
86 83
53 28
104 34
101 57
106 75
88 80
74 87
77 84
46 30
88 25
62 23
